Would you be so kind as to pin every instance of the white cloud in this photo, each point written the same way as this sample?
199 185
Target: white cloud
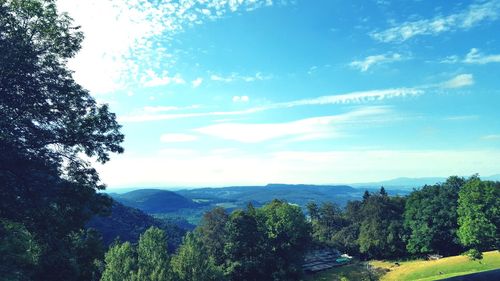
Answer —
459 81
155 109
475 57
215 77
242 99
313 167
305 129
177 138
461 117
473 15
237 77
151 79
364 65
197 82
122 36
354 97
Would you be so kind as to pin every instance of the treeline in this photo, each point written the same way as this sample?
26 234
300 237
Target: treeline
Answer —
267 243
447 218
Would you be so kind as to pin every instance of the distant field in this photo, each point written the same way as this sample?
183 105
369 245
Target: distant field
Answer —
420 270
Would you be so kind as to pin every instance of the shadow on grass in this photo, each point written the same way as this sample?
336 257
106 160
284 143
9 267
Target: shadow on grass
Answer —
356 271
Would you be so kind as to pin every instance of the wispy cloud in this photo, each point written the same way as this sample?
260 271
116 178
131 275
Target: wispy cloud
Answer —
300 130
354 97
365 64
197 82
121 36
151 79
491 137
461 117
473 15
242 99
458 81
177 138
475 57
238 77
156 109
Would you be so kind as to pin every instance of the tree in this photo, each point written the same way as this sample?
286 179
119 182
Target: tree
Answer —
87 250
121 264
430 218
192 263
479 214
212 232
312 210
152 256
381 228
244 249
46 121
19 252
287 237
327 222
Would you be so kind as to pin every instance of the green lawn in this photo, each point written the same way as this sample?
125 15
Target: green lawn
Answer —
420 270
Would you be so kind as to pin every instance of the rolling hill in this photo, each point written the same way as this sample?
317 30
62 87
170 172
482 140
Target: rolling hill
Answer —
155 200
126 224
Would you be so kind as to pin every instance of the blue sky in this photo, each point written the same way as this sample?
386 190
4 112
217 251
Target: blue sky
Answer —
237 92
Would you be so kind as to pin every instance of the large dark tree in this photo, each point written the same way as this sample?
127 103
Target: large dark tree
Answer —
431 218
381 227
212 233
47 121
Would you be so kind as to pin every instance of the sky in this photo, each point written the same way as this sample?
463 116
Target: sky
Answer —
250 92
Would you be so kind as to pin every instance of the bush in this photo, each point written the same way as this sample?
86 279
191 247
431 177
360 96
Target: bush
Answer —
474 254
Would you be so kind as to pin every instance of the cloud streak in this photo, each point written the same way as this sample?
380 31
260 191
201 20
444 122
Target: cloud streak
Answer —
459 81
237 77
300 130
349 98
364 65
466 19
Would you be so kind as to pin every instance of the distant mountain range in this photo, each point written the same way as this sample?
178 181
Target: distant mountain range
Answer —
190 204
411 183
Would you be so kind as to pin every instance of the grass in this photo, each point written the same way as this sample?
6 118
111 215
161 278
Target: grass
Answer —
419 270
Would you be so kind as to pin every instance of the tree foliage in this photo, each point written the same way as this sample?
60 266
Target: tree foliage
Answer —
19 252
213 233
192 263
121 263
479 214
47 121
152 256
431 218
